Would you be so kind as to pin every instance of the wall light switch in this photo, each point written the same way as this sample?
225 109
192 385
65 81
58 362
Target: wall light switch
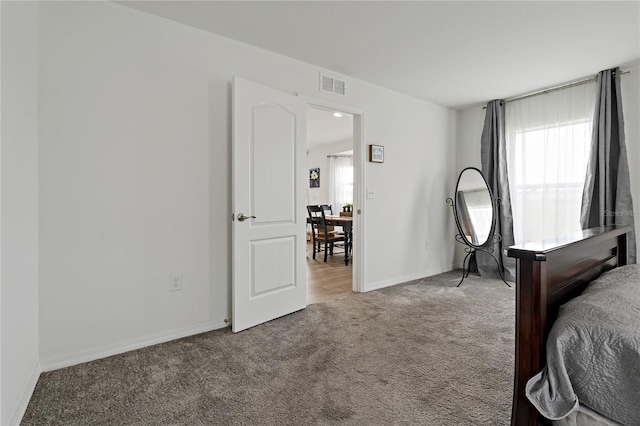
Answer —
175 282
371 193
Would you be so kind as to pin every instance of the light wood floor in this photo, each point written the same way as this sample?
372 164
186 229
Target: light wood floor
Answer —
327 281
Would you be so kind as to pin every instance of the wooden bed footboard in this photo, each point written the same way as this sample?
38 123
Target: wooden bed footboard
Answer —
548 274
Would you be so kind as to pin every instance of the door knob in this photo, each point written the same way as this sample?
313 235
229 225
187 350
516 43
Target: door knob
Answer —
242 217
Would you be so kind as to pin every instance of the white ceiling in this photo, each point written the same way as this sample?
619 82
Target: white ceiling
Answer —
456 53
324 128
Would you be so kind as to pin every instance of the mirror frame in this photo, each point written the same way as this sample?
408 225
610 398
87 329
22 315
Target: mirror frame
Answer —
490 239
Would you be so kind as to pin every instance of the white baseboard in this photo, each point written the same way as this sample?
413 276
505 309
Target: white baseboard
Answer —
403 279
130 345
26 396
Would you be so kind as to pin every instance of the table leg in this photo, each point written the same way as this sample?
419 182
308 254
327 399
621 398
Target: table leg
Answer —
347 245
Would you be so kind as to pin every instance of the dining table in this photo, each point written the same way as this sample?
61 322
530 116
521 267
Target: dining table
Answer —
346 222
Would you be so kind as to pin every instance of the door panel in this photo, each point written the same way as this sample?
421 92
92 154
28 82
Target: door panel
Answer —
269 163
273 158
271 265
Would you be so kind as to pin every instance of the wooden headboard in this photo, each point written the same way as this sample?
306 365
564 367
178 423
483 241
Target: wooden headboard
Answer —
548 274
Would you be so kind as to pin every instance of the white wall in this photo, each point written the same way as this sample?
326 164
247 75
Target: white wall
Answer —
469 124
317 157
471 121
135 176
19 209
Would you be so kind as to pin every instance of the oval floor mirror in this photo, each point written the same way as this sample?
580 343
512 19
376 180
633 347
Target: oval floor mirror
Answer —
475 211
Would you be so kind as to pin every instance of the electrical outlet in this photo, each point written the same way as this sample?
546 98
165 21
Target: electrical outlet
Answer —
175 282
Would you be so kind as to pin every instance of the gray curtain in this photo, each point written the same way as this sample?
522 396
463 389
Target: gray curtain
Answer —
606 198
493 152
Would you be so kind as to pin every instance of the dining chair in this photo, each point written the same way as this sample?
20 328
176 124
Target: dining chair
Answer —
321 235
328 210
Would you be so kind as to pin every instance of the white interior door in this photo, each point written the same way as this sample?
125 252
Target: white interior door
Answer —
269 248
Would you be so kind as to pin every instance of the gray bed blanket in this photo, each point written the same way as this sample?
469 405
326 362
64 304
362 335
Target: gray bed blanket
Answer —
593 352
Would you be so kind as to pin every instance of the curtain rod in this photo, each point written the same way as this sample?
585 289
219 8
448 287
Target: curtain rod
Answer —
554 88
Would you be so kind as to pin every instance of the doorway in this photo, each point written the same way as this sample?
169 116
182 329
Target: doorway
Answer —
332 164
269 274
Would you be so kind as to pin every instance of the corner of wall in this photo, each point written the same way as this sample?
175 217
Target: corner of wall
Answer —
21 409
19 219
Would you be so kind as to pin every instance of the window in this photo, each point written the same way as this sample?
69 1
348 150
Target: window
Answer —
548 144
341 185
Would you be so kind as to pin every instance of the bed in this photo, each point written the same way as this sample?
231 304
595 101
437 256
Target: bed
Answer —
549 274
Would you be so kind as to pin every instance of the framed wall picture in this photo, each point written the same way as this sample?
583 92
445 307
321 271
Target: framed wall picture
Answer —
376 153
314 178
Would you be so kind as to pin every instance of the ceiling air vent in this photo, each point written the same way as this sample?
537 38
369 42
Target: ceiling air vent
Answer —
332 85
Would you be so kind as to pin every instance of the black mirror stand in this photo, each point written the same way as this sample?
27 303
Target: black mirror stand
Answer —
471 250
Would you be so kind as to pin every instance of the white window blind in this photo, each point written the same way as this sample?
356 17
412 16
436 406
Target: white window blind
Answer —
341 181
548 143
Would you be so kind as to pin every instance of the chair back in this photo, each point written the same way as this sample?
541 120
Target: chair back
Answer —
318 220
328 210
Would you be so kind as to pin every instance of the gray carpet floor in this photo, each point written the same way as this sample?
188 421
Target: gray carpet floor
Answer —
419 353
